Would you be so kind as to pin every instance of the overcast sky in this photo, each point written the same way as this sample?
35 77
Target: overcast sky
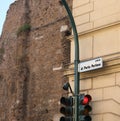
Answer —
4 5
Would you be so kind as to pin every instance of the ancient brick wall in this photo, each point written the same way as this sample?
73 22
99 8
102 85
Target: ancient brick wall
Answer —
32 61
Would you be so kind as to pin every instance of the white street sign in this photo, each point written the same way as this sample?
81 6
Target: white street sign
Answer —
90 65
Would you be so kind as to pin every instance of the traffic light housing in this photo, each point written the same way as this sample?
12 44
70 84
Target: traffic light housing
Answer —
84 107
67 108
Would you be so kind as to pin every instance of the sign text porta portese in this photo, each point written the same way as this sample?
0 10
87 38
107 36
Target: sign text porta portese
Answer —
90 65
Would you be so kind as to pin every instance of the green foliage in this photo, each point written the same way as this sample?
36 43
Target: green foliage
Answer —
24 28
2 51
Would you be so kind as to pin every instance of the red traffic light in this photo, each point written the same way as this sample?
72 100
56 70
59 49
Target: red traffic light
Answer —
84 107
86 99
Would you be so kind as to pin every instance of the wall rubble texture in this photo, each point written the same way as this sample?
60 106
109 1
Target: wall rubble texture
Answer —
32 62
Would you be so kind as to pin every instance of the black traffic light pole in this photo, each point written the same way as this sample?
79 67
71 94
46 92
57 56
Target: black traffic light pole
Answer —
76 61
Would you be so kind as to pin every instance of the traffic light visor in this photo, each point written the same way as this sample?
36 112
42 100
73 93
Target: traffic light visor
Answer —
66 119
66 110
85 118
88 118
66 101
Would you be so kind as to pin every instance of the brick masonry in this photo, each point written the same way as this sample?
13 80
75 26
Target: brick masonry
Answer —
32 63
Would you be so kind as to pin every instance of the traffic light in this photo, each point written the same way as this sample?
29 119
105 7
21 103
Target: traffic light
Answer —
84 107
67 109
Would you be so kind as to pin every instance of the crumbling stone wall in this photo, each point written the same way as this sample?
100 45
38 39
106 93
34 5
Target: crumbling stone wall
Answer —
32 61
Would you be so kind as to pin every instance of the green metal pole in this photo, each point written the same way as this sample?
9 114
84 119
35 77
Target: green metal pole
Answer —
76 61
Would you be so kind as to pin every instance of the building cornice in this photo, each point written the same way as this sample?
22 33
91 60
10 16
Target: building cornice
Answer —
93 30
111 65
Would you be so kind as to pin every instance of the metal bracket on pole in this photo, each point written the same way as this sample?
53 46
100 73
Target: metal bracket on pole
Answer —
76 61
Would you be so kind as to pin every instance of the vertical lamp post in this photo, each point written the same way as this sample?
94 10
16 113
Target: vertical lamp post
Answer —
76 61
